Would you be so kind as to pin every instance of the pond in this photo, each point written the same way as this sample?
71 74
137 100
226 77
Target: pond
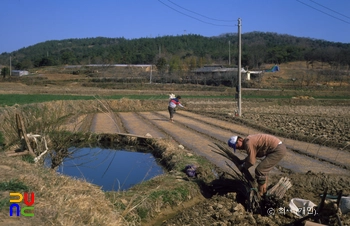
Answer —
113 170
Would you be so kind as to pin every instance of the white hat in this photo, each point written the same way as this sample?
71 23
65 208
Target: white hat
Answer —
232 142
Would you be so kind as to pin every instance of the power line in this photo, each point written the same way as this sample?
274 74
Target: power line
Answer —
200 14
323 12
195 17
329 9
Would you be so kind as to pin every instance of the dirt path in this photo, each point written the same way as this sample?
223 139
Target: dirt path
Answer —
199 134
104 123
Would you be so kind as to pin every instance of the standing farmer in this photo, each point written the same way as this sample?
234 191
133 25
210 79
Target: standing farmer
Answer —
173 103
260 145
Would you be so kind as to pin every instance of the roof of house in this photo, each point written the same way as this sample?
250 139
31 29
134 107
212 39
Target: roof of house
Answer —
19 71
211 69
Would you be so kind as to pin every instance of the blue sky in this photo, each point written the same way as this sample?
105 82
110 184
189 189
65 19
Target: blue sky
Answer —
27 22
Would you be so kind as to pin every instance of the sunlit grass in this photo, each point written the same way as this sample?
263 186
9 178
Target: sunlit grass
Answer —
4 202
13 185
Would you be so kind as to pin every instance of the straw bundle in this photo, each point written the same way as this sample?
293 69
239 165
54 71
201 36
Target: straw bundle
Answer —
280 188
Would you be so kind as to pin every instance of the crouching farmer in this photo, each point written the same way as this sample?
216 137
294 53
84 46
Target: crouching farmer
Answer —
259 145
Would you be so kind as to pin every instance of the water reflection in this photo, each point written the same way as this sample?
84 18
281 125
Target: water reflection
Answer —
110 169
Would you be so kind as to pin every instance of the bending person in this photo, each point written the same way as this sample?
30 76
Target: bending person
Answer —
173 103
260 145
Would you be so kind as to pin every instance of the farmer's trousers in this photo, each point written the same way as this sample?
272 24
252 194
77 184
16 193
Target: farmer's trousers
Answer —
271 160
171 112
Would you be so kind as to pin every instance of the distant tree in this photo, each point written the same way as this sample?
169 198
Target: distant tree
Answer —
258 48
256 54
193 63
24 64
161 65
174 64
44 61
67 57
5 71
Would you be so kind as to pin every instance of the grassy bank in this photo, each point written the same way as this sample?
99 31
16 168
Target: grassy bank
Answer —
62 200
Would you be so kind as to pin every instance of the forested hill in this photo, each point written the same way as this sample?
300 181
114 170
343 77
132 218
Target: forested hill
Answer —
257 48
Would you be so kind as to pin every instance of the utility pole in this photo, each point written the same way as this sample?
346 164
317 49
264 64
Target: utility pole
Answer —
150 77
10 67
239 69
229 53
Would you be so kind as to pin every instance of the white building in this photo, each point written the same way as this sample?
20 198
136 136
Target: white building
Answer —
19 73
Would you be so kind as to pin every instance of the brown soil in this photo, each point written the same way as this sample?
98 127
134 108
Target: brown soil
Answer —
310 174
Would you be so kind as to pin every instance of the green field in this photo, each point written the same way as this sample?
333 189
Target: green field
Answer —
12 99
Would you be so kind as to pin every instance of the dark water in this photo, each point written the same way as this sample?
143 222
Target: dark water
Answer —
113 170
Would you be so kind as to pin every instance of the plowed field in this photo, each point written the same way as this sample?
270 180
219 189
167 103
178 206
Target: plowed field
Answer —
313 167
199 133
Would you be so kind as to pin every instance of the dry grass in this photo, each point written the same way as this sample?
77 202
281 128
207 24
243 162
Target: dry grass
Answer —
60 200
44 118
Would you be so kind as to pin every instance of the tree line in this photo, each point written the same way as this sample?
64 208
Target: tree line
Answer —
181 53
